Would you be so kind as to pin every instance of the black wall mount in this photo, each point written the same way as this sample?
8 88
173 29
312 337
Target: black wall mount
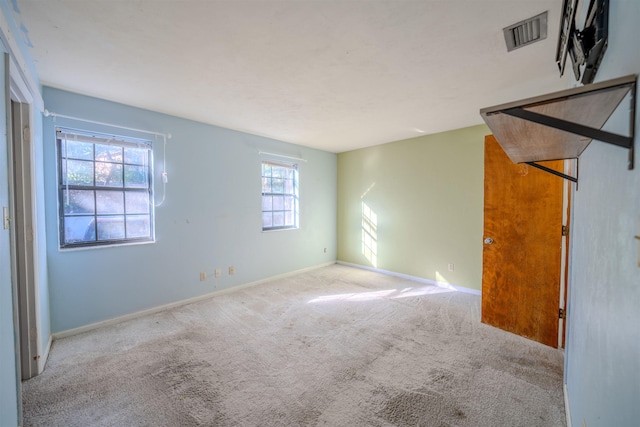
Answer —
585 47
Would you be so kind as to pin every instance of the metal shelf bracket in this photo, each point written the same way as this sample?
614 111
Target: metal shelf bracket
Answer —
554 172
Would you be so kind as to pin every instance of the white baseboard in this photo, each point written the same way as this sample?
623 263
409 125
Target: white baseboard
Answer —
566 405
414 278
119 319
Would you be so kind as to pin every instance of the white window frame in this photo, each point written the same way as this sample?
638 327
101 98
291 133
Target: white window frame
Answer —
280 200
95 233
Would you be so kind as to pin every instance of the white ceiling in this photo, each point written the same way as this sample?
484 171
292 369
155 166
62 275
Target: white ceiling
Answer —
331 74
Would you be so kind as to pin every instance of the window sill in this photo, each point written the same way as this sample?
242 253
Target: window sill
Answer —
114 245
271 230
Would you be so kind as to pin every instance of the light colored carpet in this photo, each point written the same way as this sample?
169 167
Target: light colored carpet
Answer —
335 346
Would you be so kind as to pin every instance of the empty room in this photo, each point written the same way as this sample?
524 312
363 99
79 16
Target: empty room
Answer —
319 212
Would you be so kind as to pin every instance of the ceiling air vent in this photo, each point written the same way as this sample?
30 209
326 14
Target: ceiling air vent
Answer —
526 32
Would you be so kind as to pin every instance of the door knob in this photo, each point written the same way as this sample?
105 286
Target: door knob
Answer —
488 241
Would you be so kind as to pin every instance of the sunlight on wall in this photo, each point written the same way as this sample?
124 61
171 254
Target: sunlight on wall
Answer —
370 234
442 281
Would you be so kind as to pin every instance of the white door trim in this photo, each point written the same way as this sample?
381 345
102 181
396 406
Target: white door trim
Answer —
24 226
21 77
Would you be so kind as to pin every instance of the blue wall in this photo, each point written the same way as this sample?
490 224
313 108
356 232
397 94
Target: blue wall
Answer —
603 343
211 217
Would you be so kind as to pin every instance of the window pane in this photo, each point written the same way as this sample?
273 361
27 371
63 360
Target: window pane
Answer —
110 227
267 219
290 173
136 177
278 172
79 229
278 203
77 172
278 219
266 185
289 218
76 150
78 202
136 156
288 186
110 202
108 174
266 170
267 203
277 186
137 202
109 153
288 203
138 226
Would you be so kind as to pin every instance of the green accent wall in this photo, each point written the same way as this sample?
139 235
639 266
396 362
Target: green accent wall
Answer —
415 206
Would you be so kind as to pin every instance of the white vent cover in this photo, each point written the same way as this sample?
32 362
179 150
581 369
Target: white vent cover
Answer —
526 32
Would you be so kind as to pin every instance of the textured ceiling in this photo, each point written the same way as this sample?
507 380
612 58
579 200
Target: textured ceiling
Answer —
334 75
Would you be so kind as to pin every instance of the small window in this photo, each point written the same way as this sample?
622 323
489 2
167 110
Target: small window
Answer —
280 204
105 189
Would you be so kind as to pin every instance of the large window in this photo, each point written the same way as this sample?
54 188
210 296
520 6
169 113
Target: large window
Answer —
280 204
105 189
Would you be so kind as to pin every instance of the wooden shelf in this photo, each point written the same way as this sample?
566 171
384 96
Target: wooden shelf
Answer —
561 125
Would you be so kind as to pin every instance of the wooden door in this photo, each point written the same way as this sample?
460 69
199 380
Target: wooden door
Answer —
521 262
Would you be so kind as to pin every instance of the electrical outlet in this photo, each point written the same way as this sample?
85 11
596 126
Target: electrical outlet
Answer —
450 266
203 276
232 270
218 272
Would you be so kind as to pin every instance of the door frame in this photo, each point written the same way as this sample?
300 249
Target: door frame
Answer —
23 238
25 242
569 167
24 233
